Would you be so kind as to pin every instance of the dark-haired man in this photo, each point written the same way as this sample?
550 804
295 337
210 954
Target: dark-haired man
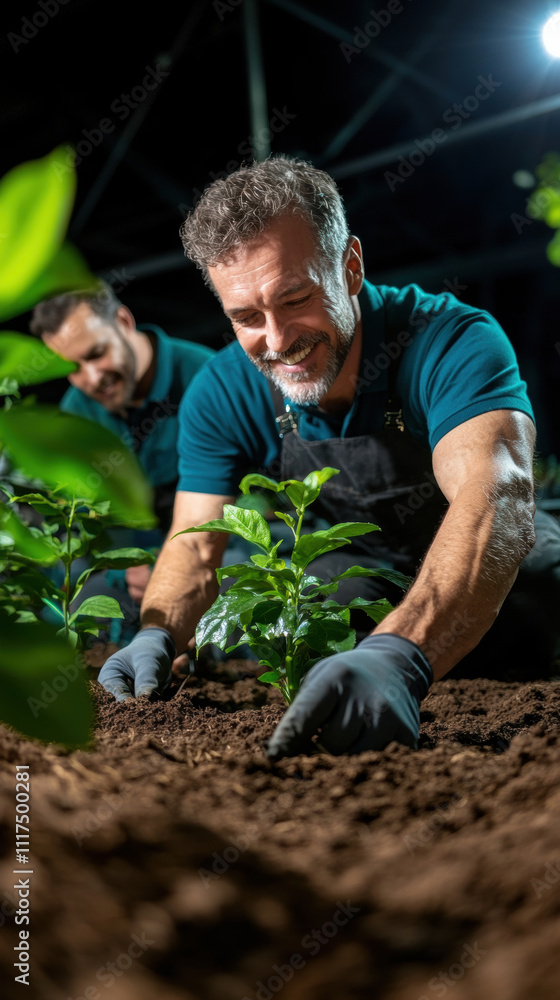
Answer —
416 398
131 380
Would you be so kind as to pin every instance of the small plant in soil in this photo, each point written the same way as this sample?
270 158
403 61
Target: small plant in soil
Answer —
288 618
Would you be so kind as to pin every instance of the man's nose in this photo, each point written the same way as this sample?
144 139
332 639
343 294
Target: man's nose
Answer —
279 337
86 378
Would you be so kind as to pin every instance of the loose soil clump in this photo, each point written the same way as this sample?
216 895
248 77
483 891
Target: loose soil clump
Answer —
174 861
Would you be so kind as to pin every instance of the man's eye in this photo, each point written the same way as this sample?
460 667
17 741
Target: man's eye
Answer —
299 302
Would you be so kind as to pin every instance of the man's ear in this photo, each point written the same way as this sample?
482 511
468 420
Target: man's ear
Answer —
354 265
124 318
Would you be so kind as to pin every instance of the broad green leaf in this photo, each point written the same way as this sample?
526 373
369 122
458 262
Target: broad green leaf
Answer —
392 575
15 532
39 502
313 482
36 199
224 616
375 609
309 547
248 524
320 632
245 569
265 613
267 562
78 456
271 677
66 272
123 558
296 492
98 607
255 479
44 692
29 361
286 518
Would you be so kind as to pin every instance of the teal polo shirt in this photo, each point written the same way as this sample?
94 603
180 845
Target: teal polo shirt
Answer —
151 430
454 362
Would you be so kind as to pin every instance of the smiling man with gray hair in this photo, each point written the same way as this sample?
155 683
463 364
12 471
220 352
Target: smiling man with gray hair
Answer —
302 387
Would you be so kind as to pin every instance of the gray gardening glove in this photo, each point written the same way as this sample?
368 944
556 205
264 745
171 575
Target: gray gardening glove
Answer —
362 700
141 668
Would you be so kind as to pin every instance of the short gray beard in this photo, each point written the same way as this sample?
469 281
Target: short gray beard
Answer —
302 387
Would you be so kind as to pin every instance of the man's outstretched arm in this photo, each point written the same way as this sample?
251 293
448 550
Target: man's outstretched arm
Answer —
182 587
484 467
366 698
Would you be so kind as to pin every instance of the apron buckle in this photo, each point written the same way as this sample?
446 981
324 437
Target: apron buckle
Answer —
394 418
286 422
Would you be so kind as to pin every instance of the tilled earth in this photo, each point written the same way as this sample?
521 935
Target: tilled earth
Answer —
173 861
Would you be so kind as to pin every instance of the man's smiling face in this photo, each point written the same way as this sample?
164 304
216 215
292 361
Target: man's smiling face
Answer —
294 319
107 363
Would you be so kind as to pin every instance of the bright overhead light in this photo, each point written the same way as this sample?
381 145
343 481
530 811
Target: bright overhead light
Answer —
551 35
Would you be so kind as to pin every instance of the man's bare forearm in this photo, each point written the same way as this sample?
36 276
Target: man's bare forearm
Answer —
467 573
180 590
183 583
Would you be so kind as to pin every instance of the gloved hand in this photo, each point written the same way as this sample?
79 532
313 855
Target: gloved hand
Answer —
362 699
141 668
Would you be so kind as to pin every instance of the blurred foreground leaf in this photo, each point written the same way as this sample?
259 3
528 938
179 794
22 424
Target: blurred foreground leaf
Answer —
29 361
36 199
44 691
75 456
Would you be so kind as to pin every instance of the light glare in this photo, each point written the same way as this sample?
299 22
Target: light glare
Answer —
551 35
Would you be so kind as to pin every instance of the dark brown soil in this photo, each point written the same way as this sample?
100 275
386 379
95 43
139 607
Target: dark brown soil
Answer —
173 861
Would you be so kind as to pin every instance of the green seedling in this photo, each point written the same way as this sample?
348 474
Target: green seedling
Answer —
288 617
69 529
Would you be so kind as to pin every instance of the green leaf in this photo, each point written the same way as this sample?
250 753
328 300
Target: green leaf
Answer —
44 691
247 524
98 607
271 677
320 632
39 502
255 479
224 616
123 558
78 457
8 387
66 272
267 562
392 575
15 532
36 199
29 361
375 609
286 518
309 547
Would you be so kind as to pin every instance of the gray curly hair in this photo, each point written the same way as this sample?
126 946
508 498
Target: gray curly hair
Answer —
235 209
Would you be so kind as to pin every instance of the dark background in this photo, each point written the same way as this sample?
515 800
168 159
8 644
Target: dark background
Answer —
447 224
